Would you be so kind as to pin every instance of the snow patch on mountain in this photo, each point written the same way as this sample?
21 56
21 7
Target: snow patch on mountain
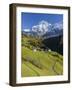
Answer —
58 26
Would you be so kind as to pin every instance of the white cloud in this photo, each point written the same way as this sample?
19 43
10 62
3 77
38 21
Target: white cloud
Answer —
26 30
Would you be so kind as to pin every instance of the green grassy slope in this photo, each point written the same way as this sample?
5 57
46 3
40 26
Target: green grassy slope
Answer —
39 63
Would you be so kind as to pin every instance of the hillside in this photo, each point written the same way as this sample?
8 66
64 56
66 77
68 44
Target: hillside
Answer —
39 62
55 43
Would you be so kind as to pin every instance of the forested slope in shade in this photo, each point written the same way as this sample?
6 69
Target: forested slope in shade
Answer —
55 44
39 62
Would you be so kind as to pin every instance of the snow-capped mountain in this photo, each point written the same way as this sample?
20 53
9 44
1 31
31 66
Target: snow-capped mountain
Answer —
45 29
55 30
41 28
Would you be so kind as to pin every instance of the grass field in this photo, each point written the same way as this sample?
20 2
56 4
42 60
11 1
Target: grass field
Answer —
39 62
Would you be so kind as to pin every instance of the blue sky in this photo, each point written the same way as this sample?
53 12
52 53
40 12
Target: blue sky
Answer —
31 19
